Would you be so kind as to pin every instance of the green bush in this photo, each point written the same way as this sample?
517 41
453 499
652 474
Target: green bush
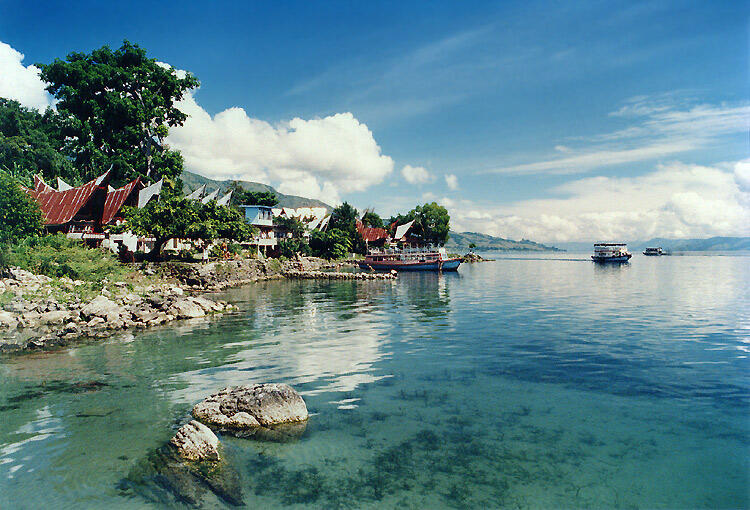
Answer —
290 247
20 216
58 256
331 244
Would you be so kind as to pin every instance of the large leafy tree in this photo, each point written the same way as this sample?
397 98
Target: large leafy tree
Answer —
292 225
372 219
241 196
177 217
431 222
31 142
20 216
344 218
331 244
118 106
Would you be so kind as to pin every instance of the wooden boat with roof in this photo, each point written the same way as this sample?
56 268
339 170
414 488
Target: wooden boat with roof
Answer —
410 259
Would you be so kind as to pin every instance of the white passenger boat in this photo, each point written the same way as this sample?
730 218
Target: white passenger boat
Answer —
611 252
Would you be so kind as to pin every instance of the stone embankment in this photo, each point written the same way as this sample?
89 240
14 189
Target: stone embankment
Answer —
41 312
44 312
332 275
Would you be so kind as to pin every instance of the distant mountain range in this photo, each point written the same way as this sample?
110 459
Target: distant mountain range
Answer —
710 244
674 245
193 181
460 241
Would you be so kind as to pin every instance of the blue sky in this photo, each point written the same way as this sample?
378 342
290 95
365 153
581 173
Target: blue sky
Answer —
553 121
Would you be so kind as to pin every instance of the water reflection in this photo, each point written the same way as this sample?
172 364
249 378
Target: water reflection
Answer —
520 382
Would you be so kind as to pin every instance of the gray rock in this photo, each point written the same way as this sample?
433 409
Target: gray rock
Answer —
8 320
54 317
244 408
95 322
206 304
186 309
103 307
195 441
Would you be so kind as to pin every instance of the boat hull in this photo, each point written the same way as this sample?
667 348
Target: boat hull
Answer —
604 260
398 265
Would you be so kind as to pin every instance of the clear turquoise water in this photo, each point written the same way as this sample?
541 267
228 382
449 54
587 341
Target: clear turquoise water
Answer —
531 382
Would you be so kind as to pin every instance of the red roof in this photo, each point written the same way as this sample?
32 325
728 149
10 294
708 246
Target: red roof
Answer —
59 207
40 185
115 199
371 234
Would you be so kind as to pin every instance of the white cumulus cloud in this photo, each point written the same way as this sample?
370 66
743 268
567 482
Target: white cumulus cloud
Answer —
415 174
675 200
20 82
452 181
316 158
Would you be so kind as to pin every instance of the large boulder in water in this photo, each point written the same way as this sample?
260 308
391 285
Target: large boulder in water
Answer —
195 441
246 409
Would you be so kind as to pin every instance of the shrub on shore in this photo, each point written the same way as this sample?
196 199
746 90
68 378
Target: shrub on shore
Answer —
19 215
58 256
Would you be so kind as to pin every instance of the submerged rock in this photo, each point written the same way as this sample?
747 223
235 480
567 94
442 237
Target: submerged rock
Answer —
195 441
165 477
244 410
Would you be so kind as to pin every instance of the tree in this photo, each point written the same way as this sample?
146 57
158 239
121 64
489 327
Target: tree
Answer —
20 216
176 217
344 218
31 142
371 219
117 107
331 244
266 198
292 225
291 247
241 196
431 222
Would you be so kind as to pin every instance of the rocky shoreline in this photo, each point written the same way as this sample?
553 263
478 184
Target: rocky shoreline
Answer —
39 312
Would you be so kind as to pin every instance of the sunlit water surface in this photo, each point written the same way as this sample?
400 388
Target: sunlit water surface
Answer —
532 382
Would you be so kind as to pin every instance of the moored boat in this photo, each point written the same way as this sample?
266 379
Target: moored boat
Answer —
427 259
611 252
653 252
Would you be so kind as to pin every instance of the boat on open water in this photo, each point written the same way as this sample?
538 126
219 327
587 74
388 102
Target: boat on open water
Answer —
611 252
410 259
653 252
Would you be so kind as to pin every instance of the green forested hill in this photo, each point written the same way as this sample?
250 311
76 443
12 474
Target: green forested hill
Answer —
460 241
193 181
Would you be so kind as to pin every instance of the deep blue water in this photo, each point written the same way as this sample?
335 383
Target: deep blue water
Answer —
532 382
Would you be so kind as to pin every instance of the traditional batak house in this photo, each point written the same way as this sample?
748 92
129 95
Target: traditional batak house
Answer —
77 212
373 237
83 212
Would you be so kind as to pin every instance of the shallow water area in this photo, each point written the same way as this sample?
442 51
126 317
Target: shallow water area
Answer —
533 381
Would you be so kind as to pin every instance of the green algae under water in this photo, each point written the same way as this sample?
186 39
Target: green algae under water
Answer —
531 382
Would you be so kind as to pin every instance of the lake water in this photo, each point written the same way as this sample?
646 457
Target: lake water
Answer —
529 382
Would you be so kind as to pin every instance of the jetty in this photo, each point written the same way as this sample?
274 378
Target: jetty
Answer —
334 275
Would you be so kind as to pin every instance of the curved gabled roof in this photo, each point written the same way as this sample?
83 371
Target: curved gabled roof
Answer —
59 207
115 199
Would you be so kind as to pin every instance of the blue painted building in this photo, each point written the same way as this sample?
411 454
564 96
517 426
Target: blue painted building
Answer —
261 217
